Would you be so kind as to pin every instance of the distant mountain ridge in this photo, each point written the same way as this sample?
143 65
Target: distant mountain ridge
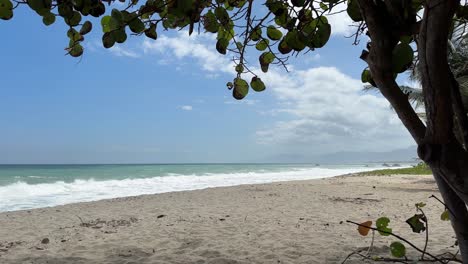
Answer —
394 156
398 155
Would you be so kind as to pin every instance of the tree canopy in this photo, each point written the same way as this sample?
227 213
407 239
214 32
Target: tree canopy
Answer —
397 33
281 29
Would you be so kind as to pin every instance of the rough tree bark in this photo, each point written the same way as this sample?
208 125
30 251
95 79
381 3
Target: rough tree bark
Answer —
437 144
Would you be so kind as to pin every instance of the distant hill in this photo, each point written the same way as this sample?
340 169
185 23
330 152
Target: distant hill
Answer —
398 155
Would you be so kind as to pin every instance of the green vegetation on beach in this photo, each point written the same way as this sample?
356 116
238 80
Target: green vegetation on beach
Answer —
419 169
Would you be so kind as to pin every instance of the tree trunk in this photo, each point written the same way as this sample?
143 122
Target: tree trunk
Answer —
437 145
451 166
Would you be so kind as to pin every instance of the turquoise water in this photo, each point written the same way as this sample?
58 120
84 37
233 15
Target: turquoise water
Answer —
33 186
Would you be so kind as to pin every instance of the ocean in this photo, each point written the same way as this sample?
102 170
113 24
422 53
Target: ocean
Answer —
35 186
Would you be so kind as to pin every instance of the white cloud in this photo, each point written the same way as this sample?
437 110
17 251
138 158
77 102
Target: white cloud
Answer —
340 21
186 107
230 101
325 109
196 46
120 51
328 112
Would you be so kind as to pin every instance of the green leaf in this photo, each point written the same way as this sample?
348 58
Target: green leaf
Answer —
222 15
295 40
265 59
36 5
48 19
445 215
221 45
406 39
76 50
108 40
74 20
136 25
74 36
6 14
420 205
256 34
239 68
283 47
298 3
262 44
382 225
257 84
117 15
397 249
120 36
210 23
323 6
65 10
416 222
151 32
366 76
6 9
105 23
322 35
98 11
402 57
273 33
241 89
353 10
86 28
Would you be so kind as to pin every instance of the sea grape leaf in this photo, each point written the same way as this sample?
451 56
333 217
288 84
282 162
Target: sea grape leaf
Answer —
366 76
108 40
262 44
221 45
416 222
136 25
382 225
86 28
283 47
322 35
364 229
241 89
74 20
273 33
76 50
402 57
119 35
48 19
420 205
445 215
353 10
257 84
256 34
210 23
151 32
6 9
239 68
397 249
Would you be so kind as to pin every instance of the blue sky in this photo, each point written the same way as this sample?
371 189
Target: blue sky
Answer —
165 101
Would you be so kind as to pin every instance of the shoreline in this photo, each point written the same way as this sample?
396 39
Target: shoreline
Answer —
61 192
290 222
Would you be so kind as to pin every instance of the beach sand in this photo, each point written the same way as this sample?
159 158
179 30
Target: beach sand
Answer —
287 222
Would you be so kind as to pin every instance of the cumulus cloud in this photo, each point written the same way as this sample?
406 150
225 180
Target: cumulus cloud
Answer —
186 107
328 112
121 51
322 109
196 46
340 21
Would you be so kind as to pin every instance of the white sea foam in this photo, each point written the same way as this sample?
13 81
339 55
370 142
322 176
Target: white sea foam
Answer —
21 195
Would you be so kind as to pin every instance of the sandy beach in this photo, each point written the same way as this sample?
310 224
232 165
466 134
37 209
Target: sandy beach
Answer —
287 222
